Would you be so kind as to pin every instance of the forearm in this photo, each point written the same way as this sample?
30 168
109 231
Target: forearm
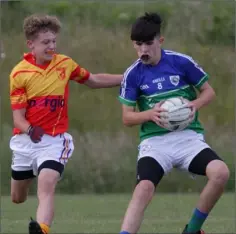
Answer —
205 97
20 121
22 124
105 80
136 118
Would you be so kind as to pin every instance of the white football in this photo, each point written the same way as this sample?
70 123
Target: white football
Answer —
178 116
173 102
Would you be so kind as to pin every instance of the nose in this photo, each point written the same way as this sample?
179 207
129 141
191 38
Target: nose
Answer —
144 48
52 45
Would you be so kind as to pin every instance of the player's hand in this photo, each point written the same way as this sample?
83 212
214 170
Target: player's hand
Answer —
35 133
193 110
156 113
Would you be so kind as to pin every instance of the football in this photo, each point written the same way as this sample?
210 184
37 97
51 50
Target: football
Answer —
178 113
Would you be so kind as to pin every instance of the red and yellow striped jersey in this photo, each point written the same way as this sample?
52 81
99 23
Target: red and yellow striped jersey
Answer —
43 91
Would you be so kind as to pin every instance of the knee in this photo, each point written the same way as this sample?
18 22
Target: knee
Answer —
17 199
145 190
45 190
218 172
46 186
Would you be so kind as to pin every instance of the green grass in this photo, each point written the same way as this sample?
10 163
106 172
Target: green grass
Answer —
167 213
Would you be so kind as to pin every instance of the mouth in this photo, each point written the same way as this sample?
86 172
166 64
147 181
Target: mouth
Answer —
145 57
50 52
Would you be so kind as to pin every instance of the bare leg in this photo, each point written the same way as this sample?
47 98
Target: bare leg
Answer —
47 182
218 175
19 190
142 196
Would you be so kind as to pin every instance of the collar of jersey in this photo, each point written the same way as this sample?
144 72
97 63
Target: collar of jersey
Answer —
163 54
29 57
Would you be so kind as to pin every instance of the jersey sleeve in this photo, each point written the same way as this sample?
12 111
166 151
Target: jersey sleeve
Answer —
129 89
78 74
18 97
195 75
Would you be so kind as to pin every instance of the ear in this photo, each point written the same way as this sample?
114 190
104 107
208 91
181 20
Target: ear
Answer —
134 44
161 40
30 44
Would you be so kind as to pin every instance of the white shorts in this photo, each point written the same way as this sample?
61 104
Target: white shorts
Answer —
173 150
29 156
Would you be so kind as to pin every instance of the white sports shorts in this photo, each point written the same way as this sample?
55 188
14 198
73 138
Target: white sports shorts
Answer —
173 150
29 156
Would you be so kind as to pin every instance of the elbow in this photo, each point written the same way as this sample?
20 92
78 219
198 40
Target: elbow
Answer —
213 94
126 122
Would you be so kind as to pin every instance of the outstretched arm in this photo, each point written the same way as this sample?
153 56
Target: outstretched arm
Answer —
97 81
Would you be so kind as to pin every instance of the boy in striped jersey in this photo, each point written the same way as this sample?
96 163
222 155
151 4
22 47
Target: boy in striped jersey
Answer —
39 93
157 75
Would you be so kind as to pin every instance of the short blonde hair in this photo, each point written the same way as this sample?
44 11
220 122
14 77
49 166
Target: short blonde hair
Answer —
40 23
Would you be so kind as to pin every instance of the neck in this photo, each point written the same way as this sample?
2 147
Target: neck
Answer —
39 61
157 58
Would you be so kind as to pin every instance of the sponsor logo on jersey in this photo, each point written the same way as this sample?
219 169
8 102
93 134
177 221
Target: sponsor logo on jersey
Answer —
52 103
174 80
158 80
143 87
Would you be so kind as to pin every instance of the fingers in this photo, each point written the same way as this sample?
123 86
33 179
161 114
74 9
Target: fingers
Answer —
193 111
160 117
159 109
158 106
191 105
160 121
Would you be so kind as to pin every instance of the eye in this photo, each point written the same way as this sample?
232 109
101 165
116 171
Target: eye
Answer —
139 43
149 43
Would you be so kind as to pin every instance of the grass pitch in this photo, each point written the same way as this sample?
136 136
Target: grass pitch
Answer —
168 213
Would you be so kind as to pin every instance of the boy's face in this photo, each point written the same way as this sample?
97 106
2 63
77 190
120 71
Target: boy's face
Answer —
43 46
149 51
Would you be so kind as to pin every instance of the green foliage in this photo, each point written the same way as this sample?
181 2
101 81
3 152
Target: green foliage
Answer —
214 21
96 35
220 27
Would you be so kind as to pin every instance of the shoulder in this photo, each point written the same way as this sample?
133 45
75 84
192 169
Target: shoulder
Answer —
133 69
66 60
178 57
62 57
20 66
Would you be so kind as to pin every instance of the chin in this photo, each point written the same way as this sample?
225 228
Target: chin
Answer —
146 62
48 58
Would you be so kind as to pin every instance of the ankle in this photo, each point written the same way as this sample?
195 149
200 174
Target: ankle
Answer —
45 228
